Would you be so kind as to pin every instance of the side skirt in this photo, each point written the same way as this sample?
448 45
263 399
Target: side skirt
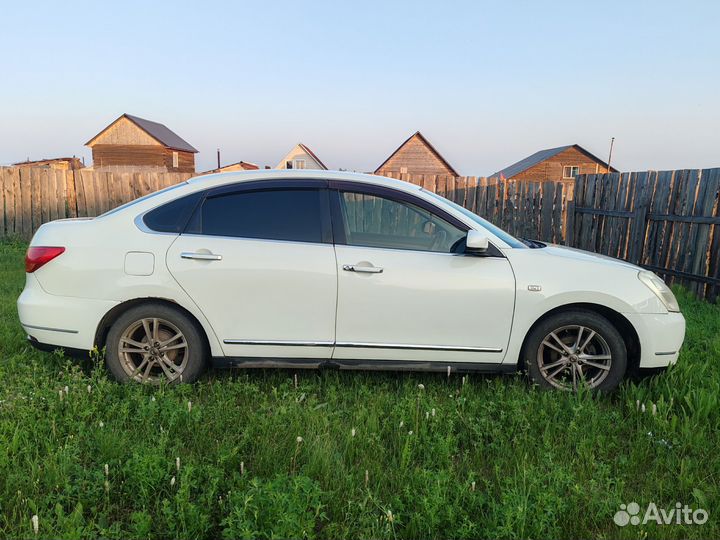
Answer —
366 365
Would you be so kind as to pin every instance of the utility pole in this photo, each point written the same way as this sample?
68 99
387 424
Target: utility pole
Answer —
612 141
218 152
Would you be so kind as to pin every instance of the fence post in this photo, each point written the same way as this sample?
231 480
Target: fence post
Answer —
3 211
569 231
640 221
71 191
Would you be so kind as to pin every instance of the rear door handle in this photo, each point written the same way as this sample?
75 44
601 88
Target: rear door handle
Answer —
200 256
363 269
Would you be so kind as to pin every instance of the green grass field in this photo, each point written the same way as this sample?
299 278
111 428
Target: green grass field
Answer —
379 455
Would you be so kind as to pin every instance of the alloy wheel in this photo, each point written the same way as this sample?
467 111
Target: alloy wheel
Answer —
153 349
573 356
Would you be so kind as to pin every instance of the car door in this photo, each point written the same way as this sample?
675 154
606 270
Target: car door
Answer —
257 258
406 289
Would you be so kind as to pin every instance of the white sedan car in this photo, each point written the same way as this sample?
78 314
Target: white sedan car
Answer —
331 269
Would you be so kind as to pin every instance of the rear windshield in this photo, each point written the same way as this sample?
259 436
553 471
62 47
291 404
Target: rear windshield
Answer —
141 199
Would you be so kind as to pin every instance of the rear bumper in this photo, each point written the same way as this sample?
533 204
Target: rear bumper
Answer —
45 347
661 336
59 321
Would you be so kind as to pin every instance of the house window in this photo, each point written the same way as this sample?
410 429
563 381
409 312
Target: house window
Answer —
570 171
176 159
299 163
288 164
403 170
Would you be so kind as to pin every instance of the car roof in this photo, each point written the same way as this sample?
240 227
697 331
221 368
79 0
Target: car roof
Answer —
219 179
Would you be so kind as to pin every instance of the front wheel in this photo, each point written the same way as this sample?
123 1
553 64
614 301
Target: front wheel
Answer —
573 349
151 343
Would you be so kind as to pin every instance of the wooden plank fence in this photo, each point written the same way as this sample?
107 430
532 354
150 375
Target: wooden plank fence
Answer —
536 210
31 196
667 221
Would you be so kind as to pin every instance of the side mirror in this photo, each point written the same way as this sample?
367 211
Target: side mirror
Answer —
476 242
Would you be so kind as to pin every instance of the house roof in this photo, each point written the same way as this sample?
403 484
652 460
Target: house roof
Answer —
157 131
48 160
312 154
245 165
427 144
539 157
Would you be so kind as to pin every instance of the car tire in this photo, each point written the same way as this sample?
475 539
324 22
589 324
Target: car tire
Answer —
575 348
155 342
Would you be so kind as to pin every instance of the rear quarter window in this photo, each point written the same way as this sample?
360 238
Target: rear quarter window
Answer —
173 216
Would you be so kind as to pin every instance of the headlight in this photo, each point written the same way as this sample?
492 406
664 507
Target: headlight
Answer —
662 291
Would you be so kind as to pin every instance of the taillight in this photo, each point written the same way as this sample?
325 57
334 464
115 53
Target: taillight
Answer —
38 256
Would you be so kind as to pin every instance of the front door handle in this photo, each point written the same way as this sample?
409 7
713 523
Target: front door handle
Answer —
362 269
200 256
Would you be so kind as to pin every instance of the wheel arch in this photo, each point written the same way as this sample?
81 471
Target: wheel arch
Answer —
617 319
111 316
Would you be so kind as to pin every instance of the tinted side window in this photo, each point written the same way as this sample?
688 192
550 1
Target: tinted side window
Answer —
375 221
284 214
173 216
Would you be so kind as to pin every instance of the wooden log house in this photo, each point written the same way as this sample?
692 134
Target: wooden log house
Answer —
555 165
135 142
416 156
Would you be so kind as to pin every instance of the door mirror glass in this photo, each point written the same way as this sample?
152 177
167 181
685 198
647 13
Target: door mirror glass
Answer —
476 242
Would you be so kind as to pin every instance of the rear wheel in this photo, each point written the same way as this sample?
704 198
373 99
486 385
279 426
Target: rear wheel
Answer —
154 342
573 349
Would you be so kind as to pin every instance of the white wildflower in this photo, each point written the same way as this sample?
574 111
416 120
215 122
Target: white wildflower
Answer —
432 412
89 388
472 485
410 432
299 439
421 386
402 423
352 432
654 409
177 463
152 398
637 404
172 481
107 470
101 424
35 524
61 395
642 407
390 516
242 467
427 415
189 406
367 477
67 390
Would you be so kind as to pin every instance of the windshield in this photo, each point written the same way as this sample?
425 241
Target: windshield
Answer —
143 198
502 235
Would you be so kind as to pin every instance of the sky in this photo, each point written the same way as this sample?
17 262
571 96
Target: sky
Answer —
488 83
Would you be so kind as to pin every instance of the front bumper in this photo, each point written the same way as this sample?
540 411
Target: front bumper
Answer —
661 336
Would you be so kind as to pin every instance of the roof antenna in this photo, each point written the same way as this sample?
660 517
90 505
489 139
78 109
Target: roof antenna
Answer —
612 141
